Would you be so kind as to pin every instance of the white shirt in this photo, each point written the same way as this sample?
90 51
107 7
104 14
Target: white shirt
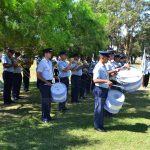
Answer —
45 67
6 60
100 72
146 68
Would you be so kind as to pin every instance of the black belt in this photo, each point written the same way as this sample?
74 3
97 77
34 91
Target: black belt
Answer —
63 77
40 81
76 75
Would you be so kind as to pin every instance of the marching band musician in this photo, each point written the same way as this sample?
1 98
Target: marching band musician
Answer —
102 84
45 76
8 72
146 72
84 80
38 59
115 64
17 79
76 70
26 72
64 73
112 66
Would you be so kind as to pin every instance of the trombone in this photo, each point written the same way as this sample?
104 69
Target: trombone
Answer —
20 62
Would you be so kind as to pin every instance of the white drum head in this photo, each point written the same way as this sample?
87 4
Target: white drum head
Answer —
129 76
58 88
59 92
116 95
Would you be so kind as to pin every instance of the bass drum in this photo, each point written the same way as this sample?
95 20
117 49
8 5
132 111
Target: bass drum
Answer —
114 101
130 79
59 92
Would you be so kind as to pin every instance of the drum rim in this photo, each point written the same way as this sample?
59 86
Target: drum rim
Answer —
118 99
52 87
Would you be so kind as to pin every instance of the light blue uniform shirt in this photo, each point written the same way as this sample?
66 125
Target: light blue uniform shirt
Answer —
112 65
6 60
100 72
91 67
77 73
45 68
62 65
17 70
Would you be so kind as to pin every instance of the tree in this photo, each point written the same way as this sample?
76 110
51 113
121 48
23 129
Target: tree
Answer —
30 25
125 21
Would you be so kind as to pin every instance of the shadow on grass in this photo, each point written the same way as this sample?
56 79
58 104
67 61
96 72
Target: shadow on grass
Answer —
136 106
138 127
21 127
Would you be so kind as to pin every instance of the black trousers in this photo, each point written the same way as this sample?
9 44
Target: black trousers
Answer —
46 100
26 78
8 82
17 81
75 87
83 85
146 80
64 80
88 83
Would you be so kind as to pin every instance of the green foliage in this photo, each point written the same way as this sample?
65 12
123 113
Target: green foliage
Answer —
125 21
21 127
46 23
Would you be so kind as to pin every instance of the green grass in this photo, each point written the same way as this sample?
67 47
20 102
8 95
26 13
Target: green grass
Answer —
21 127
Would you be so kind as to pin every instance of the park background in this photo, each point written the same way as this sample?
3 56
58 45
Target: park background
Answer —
84 26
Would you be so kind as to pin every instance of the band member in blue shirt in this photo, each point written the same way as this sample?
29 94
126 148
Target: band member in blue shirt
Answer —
102 84
64 74
8 72
45 76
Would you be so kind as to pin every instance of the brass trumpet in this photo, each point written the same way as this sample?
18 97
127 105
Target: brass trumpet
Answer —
21 62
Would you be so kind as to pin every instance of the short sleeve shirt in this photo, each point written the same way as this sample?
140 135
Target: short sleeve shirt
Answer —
62 65
100 72
45 67
6 60
79 72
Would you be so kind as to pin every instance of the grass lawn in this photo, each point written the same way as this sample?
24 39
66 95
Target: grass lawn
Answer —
21 127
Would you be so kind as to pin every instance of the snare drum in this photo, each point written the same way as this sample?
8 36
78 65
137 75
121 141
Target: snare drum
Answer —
114 101
59 92
130 79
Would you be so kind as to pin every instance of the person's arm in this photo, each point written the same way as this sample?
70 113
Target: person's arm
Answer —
96 78
7 65
103 81
39 76
40 69
67 68
73 67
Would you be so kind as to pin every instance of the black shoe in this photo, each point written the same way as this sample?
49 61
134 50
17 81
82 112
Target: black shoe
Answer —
15 98
7 103
45 120
101 129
